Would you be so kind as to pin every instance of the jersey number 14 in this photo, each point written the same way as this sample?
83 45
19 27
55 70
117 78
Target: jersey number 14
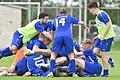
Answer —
62 21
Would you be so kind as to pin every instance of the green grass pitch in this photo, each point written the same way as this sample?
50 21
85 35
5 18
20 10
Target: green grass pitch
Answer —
114 73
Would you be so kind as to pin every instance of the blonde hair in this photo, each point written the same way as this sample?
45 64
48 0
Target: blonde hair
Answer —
87 41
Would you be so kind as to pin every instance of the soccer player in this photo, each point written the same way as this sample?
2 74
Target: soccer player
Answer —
37 56
25 34
63 38
62 69
105 35
89 65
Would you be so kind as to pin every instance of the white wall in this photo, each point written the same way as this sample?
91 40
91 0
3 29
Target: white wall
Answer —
10 20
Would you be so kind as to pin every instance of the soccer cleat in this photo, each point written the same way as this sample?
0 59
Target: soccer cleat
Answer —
50 74
74 75
4 73
105 75
111 62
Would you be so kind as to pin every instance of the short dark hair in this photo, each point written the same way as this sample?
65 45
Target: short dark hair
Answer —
87 41
93 4
63 11
42 15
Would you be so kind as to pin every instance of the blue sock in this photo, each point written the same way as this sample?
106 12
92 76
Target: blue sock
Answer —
52 65
6 52
110 59
106 71
72 66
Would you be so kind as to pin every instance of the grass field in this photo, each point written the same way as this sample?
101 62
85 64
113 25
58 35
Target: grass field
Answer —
114 73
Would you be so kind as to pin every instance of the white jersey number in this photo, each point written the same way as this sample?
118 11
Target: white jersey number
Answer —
62 21
39 60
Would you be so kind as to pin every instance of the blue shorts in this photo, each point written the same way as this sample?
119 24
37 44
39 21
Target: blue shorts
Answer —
103 45
21 67
63 53
60 42
17 39
92 68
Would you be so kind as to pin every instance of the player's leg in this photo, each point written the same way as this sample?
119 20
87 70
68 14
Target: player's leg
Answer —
105 64
90 69
21 67
96 51
105 48
111 62
27 74
60 60
6 70
3 68
80 63
19 55
52 61
68 42
15 45
72 65
57 46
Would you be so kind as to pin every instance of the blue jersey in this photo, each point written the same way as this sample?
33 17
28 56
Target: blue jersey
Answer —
34 60
103 17
48 26
63 25
92 67
90 56
35 41
33 63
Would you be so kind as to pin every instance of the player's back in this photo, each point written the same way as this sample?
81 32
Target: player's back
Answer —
90 56
36 41
63 25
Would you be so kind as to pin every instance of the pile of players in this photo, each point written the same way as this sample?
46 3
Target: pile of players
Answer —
30 44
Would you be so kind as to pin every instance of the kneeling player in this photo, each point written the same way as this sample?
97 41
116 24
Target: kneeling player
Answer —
90 65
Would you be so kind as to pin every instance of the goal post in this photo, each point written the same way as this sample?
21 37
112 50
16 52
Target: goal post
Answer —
14 15
23 3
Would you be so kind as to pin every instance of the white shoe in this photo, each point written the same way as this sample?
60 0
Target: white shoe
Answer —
44 65
50 74
3 73
74 75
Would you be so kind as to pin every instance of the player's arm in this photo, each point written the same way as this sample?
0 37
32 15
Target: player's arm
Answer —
78 53
40 28
27 73
37 50
108 26
85 52
77 21
103 17
83 25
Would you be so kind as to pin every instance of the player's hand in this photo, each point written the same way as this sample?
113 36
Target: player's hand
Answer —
27 51
76 53
27 74
87 29
93 40
48 51
102 36
11 68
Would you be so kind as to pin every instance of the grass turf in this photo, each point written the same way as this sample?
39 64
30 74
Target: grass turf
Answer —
114 73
